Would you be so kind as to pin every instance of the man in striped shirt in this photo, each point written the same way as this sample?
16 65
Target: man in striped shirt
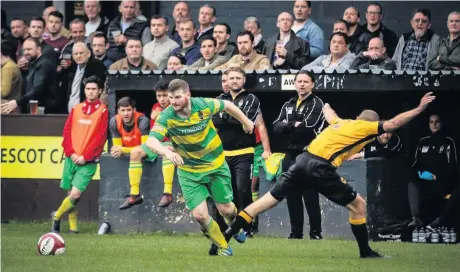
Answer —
199 155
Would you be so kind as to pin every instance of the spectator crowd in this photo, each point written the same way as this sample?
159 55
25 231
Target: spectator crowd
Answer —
42 60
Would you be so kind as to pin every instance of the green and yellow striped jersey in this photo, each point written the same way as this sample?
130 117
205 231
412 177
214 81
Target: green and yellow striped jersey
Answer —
194 138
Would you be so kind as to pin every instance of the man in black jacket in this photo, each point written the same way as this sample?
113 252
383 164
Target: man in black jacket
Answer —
374 16
124 27
300 120
82 67
435 169
359 37
40 79
238 145
285 50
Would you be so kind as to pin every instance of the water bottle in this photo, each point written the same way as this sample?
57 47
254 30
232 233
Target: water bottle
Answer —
422 236
445 236
453 236
435 236
415 236
103 229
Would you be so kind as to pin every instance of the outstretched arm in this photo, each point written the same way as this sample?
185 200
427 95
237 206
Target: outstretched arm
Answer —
329 113
236 113
405 117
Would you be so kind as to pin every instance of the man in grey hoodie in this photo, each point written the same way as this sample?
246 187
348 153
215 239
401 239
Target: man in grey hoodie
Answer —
375 57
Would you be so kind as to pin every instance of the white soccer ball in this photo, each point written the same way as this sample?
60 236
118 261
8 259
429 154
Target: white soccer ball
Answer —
51 244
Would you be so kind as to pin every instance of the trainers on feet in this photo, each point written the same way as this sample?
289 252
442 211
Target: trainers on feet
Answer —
240 237
131 201
213 250
225 251
56 224
415 223
372 254
435 224
165 200
315 235
295 236
73 231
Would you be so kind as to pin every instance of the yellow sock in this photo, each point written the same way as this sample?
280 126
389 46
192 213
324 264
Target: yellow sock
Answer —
214 234
229 219
168 175
73 220
135 174
66 205
255 196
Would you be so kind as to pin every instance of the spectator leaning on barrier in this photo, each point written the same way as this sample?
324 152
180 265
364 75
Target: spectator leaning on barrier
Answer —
134 60
176 62
189 48
252 25
99 46
39 83
305 28
11 76
248 58
95 22
286 50
158 50
225 48
85 133
55 38
447 54
181 10
340 55
358 36
414 48
436 174
84 66
374 17
206 18
125 27
374 58
300 120
210 59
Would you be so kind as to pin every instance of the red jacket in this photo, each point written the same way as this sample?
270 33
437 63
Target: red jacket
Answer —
96 147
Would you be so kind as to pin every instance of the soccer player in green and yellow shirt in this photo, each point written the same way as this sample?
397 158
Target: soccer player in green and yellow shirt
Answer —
199 155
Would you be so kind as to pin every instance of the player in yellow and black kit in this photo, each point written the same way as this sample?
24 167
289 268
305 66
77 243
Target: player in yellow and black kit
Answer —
316 168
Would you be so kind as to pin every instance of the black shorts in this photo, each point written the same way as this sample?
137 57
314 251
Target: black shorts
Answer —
310 171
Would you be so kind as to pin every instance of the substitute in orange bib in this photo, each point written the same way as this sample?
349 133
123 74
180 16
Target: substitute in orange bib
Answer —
85 133
316 168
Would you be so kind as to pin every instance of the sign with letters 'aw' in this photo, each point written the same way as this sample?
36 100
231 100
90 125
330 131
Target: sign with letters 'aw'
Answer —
33 157
287 83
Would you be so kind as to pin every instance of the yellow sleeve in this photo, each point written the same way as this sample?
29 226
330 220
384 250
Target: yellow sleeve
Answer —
335 120
369 128
117 142
7 81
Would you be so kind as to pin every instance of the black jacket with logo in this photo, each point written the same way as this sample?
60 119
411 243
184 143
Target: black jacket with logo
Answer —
437 154
231 130
377 150
309 112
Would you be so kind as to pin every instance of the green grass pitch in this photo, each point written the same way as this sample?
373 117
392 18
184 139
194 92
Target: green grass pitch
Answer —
162 252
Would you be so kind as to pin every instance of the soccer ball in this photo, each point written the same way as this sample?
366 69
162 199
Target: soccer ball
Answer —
51 244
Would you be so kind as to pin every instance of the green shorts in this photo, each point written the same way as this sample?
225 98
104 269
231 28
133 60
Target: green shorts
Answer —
78 176
197 187
258 150
152 156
